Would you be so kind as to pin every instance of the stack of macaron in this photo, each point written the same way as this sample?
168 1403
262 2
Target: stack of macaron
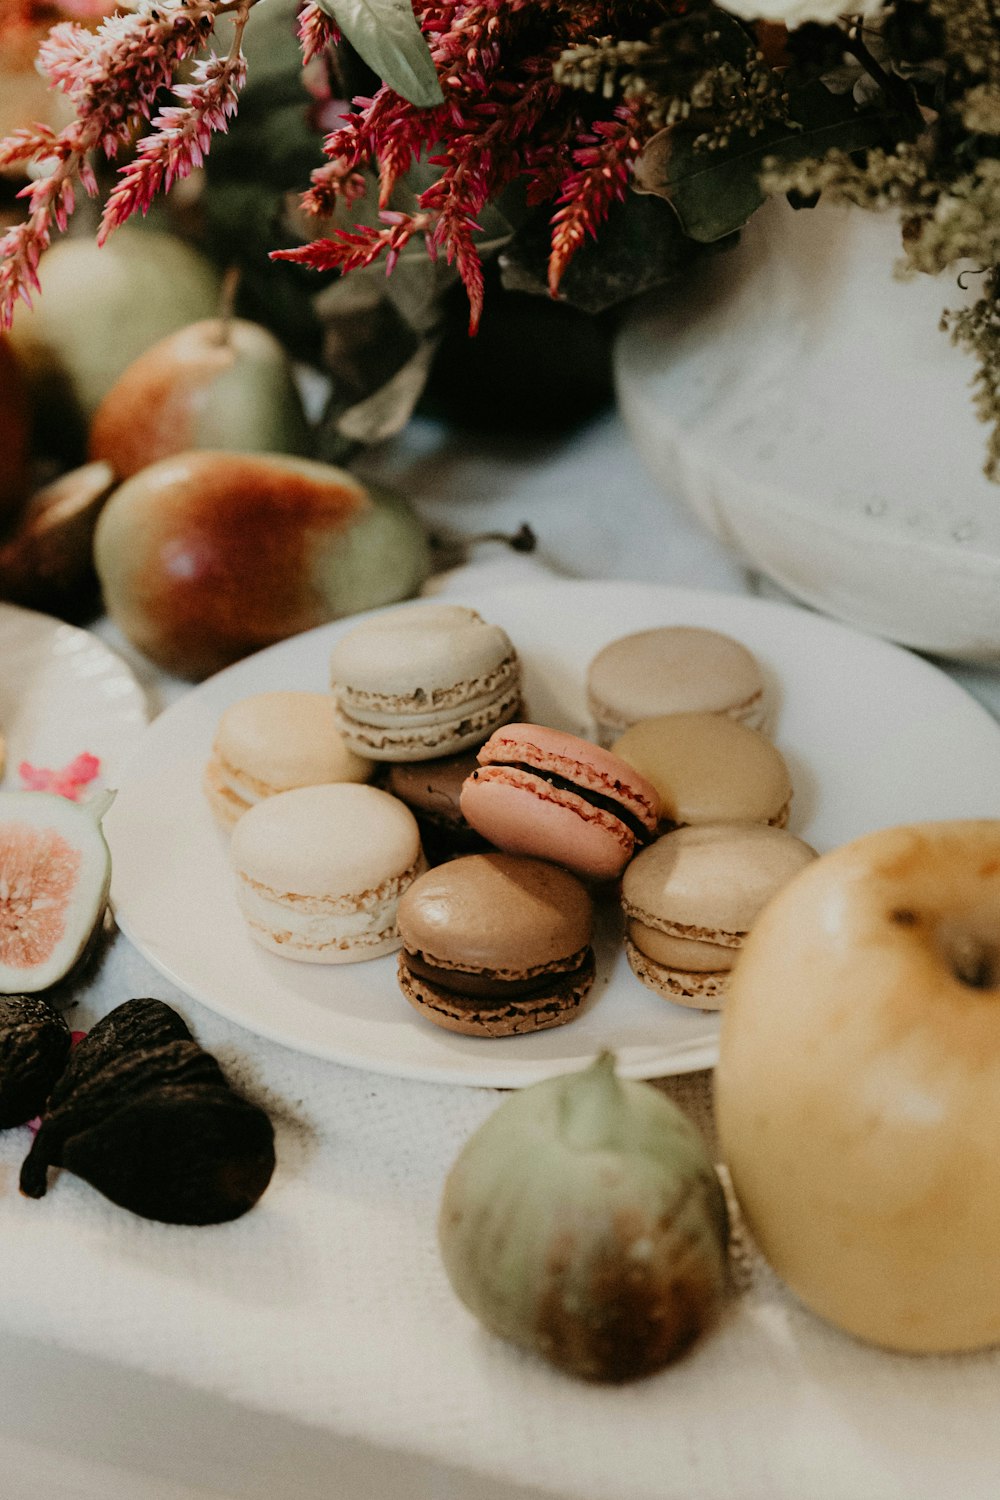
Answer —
413 807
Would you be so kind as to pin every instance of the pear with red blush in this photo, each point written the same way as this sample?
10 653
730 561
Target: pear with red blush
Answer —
221 383
208 556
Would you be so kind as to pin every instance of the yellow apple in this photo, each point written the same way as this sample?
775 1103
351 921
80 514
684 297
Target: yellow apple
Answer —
858 1086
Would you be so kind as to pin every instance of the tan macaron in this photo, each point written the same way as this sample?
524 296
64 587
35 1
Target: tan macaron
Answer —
275 742
709 769
669 670
691 898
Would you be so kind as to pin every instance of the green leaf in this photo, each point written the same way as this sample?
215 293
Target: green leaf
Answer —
386 35
714 193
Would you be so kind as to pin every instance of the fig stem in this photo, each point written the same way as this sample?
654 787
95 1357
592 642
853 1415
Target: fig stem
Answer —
589 1105
99 804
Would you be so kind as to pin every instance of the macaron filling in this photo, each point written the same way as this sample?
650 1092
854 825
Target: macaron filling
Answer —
480 985
638 829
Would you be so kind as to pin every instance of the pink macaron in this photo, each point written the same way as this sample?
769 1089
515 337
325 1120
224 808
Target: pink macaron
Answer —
553 795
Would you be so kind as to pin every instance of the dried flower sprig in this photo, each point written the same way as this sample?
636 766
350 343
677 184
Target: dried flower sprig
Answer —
317 32
505 118
112 77
180 135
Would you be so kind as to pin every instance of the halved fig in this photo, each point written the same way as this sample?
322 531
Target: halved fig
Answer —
55 869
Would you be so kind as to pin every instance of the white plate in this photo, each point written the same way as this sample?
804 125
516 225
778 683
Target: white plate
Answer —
872 734
63 692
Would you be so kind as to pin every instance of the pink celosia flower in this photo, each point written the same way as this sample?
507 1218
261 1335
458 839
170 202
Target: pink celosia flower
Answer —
113 77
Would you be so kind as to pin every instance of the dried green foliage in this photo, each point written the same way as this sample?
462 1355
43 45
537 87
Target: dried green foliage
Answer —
696 65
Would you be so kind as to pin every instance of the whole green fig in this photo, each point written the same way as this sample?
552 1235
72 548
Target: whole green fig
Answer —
584 1220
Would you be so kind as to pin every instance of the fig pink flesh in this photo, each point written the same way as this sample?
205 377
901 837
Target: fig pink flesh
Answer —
38 872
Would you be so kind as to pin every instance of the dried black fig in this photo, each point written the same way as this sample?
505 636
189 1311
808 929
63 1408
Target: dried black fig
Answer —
34 1046
146 1116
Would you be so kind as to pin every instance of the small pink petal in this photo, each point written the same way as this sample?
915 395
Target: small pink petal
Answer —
66 782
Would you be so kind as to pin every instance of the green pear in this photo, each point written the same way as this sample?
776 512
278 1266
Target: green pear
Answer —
97 311
207 556
221 383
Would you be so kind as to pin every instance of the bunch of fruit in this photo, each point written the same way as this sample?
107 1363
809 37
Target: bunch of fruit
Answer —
187 500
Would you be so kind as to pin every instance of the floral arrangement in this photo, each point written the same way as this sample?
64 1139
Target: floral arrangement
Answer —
562 114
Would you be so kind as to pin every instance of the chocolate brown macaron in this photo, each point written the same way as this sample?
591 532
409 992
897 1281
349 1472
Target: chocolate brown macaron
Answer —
496 944
431 790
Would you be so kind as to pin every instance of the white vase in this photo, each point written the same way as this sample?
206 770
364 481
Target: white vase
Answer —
805 404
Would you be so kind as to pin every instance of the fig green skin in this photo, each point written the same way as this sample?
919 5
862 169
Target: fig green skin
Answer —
217 384
584 1220
208 556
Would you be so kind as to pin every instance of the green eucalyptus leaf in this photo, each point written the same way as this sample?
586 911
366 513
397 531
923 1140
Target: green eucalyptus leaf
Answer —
714 193
386 36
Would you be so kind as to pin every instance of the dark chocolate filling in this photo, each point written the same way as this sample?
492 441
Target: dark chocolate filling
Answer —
636 827
485 986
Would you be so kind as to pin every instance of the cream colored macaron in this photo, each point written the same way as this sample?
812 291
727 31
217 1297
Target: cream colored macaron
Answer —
320 870
691 898
423 680
709 769
275 742
673 669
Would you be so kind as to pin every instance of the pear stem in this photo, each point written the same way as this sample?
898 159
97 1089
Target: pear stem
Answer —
227 305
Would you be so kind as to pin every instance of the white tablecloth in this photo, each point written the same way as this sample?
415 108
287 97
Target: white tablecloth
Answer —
314 1348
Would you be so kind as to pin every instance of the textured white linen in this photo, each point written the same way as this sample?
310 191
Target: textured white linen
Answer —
328 1302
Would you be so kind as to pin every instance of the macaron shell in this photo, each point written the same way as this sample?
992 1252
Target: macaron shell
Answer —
511 917
281 740
226 804
335 840
405 738
433 786
673 669
320 871
698 991
711 880
588 766
524 814
708 768
508 1018
338 934
700 955
421 658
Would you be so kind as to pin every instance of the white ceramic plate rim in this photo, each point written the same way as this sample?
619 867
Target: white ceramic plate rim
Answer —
874 735
63 692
